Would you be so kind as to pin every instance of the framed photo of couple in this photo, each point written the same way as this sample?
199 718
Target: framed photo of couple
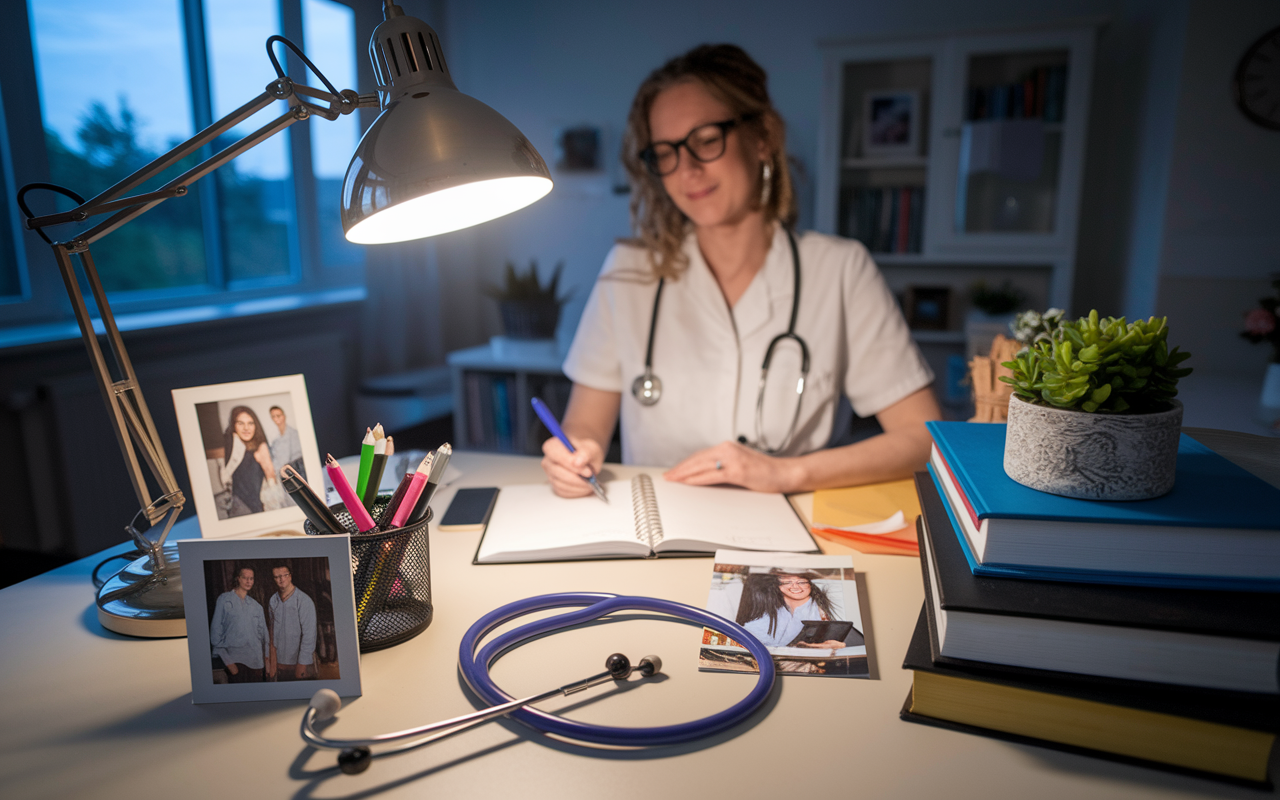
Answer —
269 619
236 438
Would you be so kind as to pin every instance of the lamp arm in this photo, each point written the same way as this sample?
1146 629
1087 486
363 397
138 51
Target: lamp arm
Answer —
132 423
344 102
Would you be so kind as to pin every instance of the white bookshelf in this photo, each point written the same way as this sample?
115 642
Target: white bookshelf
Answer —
477 412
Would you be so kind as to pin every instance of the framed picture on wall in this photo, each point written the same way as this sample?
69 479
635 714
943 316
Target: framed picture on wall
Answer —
891 123
270 619
236 437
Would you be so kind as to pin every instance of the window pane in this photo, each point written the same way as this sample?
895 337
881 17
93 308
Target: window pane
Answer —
329 31
10 269
114 95
1011 142
255 190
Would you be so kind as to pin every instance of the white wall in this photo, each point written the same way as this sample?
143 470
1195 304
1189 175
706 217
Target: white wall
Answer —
547 64
1180 195
1221 225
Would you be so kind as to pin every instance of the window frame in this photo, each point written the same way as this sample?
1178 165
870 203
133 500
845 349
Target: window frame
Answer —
44 304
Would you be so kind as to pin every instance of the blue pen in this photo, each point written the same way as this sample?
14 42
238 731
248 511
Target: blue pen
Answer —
549 419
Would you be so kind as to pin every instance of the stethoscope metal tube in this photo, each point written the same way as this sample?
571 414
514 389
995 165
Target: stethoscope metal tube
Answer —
357 755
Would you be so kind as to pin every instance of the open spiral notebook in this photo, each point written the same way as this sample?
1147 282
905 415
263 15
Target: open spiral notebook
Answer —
644 518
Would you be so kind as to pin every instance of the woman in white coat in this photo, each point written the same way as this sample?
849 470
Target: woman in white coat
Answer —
709 281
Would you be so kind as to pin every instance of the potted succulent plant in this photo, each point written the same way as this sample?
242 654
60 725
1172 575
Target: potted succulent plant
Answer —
1093 413
529 309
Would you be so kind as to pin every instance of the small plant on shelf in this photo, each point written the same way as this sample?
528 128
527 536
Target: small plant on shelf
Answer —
1035 326
529 309
1100 365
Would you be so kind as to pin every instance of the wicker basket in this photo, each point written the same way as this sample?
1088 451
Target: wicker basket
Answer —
991 395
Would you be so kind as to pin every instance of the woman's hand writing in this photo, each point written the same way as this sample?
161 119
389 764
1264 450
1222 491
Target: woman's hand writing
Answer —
568 471
738 465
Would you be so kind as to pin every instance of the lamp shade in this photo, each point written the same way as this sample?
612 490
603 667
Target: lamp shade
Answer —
435 160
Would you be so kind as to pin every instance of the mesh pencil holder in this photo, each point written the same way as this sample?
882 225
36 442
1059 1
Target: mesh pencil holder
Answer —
391 573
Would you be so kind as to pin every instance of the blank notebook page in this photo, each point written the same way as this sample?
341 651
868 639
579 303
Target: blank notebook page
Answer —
730 518
531 517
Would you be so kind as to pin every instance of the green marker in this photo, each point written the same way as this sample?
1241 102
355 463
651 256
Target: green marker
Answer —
366 461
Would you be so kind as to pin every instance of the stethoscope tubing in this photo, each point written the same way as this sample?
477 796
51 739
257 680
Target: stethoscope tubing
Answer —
474 666
644 384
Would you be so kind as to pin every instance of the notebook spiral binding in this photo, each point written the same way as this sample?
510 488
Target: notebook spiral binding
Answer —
645 505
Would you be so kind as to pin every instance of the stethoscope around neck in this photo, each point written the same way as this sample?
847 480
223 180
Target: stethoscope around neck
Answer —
647 388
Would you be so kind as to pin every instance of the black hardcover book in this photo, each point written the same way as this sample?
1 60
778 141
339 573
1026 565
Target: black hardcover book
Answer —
1127 632
1223 708
1240 709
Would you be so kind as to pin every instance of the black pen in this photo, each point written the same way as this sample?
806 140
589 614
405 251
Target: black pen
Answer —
315 509
443 453
389 511
376 469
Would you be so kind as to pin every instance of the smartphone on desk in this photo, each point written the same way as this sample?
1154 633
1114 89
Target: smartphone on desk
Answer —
470 509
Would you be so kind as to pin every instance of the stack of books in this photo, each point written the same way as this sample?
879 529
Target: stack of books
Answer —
1145 631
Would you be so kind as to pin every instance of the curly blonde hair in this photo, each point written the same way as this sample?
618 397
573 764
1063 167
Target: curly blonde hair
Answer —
735 79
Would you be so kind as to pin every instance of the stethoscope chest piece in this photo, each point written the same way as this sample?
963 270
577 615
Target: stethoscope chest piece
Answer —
647 389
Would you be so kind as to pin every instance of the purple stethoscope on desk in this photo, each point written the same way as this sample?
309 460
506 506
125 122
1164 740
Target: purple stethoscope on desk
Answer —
474 666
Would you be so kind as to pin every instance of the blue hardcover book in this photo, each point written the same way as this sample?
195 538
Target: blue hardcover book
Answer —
1218 528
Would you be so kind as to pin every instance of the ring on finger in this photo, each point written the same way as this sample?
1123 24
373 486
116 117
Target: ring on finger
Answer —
719 464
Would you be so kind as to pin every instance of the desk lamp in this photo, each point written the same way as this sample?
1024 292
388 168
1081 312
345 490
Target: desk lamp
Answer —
434 160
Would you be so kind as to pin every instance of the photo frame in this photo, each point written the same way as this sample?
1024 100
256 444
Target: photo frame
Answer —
265 424
804 608
927 307
891 123
241 639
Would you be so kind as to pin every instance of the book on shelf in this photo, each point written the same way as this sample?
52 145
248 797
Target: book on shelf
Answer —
644 518
885 219
1041 93
503 416
1216 735
1218 528
1211 639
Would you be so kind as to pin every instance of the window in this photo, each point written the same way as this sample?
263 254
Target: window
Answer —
122 82
11 273
329 29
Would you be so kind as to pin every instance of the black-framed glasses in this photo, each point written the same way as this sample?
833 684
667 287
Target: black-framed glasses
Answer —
704 143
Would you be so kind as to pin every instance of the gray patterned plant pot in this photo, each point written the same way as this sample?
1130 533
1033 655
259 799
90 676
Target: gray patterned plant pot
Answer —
1093 456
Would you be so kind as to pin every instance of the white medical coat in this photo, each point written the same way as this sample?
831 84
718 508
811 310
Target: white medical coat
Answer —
708 356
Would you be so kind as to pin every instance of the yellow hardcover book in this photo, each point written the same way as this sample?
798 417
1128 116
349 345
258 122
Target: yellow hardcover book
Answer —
1165 738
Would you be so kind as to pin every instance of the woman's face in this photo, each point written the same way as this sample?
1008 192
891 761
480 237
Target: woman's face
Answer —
709 193
245 579
794 587
245 428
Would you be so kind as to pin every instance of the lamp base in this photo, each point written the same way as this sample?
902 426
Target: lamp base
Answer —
145 601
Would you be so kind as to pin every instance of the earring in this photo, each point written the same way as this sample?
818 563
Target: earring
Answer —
766 179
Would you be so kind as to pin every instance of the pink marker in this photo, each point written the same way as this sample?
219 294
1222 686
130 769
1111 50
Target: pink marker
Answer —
355 508
410 498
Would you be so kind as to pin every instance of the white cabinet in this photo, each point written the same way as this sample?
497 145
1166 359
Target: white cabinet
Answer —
958 159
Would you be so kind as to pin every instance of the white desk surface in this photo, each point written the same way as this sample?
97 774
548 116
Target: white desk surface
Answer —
88 713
